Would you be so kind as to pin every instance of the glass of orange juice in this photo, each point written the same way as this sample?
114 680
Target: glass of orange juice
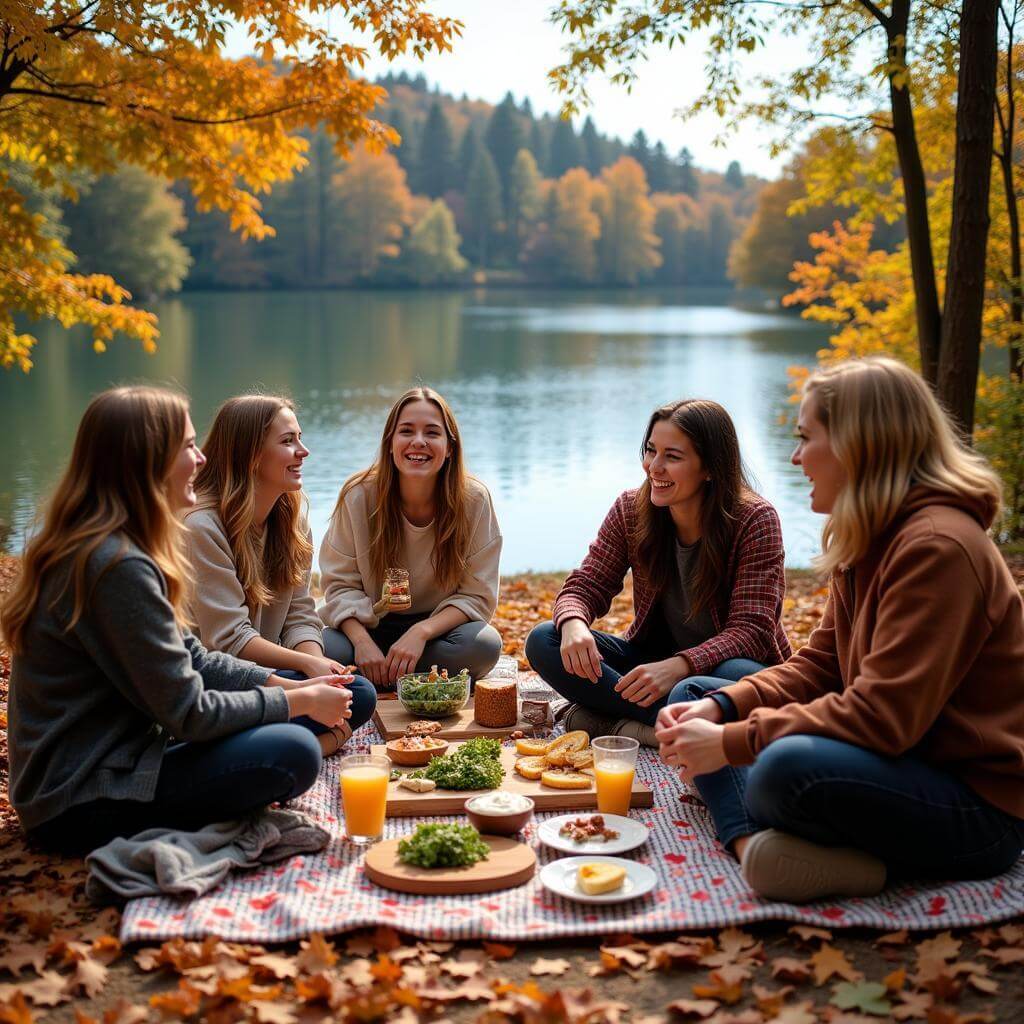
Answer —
364 796
614 766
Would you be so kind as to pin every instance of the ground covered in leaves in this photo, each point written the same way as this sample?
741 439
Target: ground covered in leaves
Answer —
60 959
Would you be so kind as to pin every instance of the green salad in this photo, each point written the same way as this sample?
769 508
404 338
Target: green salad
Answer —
434 694
476 764
443 846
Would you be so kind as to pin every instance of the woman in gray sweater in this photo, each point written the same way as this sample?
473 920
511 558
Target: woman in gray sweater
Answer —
250 548
119 718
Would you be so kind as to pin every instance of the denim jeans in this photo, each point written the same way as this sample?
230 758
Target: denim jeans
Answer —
364 700
620 656
199 783
474 645
921 821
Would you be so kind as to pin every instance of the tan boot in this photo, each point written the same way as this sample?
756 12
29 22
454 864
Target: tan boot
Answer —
782 867
333 740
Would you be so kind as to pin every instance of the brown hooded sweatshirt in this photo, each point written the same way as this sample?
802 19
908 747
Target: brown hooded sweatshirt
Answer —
920 648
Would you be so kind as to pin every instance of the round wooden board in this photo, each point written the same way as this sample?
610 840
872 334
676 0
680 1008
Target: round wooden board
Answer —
510 864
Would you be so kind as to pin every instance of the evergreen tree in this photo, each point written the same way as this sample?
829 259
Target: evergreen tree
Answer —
483 202
659 170
432 251
539 142
504 138
468 146
406 152
565 151
524 198
640 150
435 172
125 224
720 233
593 147
734 176
686 176
628 249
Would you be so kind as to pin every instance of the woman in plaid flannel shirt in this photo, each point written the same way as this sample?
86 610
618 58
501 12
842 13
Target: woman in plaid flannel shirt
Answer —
707 561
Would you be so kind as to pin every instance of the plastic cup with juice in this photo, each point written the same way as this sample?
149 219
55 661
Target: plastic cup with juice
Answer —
364 796
614 767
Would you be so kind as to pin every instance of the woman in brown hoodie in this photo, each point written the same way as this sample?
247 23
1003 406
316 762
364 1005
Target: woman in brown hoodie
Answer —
892 744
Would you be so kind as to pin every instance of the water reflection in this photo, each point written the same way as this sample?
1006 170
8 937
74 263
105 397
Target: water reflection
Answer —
552 391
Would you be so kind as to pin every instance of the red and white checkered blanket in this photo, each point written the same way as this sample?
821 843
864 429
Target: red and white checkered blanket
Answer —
700 887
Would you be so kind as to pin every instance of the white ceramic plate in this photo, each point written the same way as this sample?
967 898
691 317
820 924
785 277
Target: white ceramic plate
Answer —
560 877
631 835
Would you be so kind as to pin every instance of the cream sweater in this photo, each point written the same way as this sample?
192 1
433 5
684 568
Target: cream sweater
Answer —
351 587
223 620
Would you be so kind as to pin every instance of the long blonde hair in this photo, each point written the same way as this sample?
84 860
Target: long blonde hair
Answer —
127 443
269 562
452 525
889 434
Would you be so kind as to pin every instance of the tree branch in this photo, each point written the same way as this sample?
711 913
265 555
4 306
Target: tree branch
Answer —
879 15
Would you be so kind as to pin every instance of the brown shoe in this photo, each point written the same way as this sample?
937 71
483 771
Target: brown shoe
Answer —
334 739
782 867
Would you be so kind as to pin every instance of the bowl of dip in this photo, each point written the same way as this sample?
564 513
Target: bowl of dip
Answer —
499 813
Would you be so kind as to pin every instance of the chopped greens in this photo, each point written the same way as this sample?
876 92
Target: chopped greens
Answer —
432 694
475 764
443 846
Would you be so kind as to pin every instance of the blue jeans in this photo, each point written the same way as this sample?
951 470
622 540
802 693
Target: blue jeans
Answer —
921 821
198 783
620 656
364 700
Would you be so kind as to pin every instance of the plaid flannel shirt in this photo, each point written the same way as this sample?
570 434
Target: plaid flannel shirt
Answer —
748 619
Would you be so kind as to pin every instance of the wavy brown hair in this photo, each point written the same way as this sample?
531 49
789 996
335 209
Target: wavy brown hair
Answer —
268 559
127 442
452 527
713 436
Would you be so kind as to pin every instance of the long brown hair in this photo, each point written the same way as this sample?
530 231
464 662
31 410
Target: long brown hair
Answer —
265 563
127 443
889 433
451 520
713 436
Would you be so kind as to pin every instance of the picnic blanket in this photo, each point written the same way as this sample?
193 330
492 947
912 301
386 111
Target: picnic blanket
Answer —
700 886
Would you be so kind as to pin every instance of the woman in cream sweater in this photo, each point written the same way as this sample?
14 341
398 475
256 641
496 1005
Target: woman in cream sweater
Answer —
251 552
415 509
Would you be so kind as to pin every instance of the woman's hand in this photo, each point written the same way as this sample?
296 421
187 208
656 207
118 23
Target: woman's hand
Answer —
646 684
370 661
580 655
404 654
673 714
314 665
695 748
322 700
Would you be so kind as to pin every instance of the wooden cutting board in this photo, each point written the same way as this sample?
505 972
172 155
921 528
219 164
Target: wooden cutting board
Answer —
403 803
509 864
392 720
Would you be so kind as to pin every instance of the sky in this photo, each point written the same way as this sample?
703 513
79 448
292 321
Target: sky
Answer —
511 45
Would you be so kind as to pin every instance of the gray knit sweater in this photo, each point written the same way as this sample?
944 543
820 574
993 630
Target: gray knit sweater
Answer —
92 708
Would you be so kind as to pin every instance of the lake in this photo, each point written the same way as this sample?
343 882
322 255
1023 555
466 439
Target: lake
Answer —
552 390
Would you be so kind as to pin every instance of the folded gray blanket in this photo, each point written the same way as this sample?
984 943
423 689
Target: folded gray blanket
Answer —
164 862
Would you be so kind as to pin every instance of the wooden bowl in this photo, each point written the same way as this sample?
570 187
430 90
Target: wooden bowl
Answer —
414 758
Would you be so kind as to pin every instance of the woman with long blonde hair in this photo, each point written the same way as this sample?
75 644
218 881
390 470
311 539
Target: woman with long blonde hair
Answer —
892 744
120 720
415 509
251 550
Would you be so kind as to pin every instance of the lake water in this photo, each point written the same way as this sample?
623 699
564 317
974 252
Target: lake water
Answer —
552 390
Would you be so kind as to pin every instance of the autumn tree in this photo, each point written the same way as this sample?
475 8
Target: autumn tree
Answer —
96 86
433 246
576 227
629 246
524 197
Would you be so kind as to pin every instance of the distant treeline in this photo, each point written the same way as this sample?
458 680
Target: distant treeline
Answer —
472 187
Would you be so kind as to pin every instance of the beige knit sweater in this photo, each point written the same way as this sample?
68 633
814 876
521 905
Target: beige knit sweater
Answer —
223 620
351 587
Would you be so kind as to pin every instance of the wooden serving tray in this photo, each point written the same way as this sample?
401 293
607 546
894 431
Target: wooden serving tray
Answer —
509 864
403 803
392 720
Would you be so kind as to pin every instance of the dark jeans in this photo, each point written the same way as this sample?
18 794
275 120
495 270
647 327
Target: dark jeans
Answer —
921 821
199 783
620 656
474 646
364 700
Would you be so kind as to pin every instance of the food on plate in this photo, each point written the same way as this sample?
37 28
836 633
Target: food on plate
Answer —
570 743
531 747
565 778
500 802
474 764
583 830
424 727
433 694
443 846
496 703
417 785
417 743
594 879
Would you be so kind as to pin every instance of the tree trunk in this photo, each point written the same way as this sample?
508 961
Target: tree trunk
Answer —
915 192
960 349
